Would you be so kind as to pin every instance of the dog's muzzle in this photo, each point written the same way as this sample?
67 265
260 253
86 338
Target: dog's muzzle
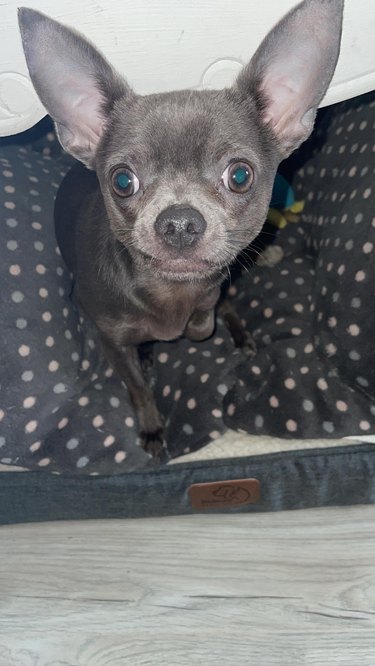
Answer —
180 226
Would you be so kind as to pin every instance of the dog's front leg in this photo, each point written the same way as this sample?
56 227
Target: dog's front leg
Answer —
125 360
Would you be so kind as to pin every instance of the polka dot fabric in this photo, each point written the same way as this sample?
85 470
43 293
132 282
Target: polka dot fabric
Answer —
312 315
61 407
63 410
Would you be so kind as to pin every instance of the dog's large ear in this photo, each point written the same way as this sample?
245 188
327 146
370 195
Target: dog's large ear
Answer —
292 68
73 80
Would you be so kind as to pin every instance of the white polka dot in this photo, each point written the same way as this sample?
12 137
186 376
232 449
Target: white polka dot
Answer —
255 369
27 376
217 413
11 222
360 276
368 247
31 426
63 423
163 358
222 389
72 443
166 391
322 384
46 316
259 421
35 447
268 312
204 377
231 409
129 421
177 395
274 402
290 383
296 331
17 296
354 330
44 462
308 405
29 402
40 269
60 388
24 350
364 425
97 421
114 402
15 269
291 425
308 348
187 429
109 440
341 406
53 366
214 434
191 403
82 462
120 456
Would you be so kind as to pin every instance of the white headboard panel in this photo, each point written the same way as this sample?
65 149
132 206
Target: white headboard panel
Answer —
162 45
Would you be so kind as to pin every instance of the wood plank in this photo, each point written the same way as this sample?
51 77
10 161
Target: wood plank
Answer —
285 588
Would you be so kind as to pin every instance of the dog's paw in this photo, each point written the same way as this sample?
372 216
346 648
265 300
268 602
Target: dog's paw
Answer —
153 443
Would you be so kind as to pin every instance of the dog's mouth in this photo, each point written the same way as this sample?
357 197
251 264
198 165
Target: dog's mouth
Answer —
181 268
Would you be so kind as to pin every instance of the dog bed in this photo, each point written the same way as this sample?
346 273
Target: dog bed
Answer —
299 416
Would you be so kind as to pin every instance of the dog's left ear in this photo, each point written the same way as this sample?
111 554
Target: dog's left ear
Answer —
292 68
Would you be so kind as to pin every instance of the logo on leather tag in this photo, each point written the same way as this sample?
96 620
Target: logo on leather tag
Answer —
221 494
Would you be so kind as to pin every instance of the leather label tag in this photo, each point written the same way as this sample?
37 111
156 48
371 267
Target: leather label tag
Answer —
222 494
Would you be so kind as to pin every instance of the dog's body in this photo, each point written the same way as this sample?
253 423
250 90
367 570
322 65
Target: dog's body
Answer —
182 180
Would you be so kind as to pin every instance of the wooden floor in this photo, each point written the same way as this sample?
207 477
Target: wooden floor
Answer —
290 589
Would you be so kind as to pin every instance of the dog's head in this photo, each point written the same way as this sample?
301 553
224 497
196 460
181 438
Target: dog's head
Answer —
186 176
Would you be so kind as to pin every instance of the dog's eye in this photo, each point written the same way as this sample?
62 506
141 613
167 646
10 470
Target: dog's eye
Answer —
238 177
124 182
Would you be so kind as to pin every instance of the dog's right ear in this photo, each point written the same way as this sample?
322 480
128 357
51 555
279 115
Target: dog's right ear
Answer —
73 80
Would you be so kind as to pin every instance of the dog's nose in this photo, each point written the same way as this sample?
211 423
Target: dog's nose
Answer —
179 226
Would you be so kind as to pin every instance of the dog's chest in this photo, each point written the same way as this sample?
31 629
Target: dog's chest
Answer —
163 315
173 306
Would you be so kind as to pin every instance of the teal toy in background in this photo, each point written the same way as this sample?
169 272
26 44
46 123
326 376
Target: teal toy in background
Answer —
283 207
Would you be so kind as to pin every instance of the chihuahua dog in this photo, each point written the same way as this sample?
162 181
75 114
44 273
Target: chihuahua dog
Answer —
177 183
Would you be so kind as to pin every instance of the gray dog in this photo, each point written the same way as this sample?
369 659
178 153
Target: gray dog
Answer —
180 181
